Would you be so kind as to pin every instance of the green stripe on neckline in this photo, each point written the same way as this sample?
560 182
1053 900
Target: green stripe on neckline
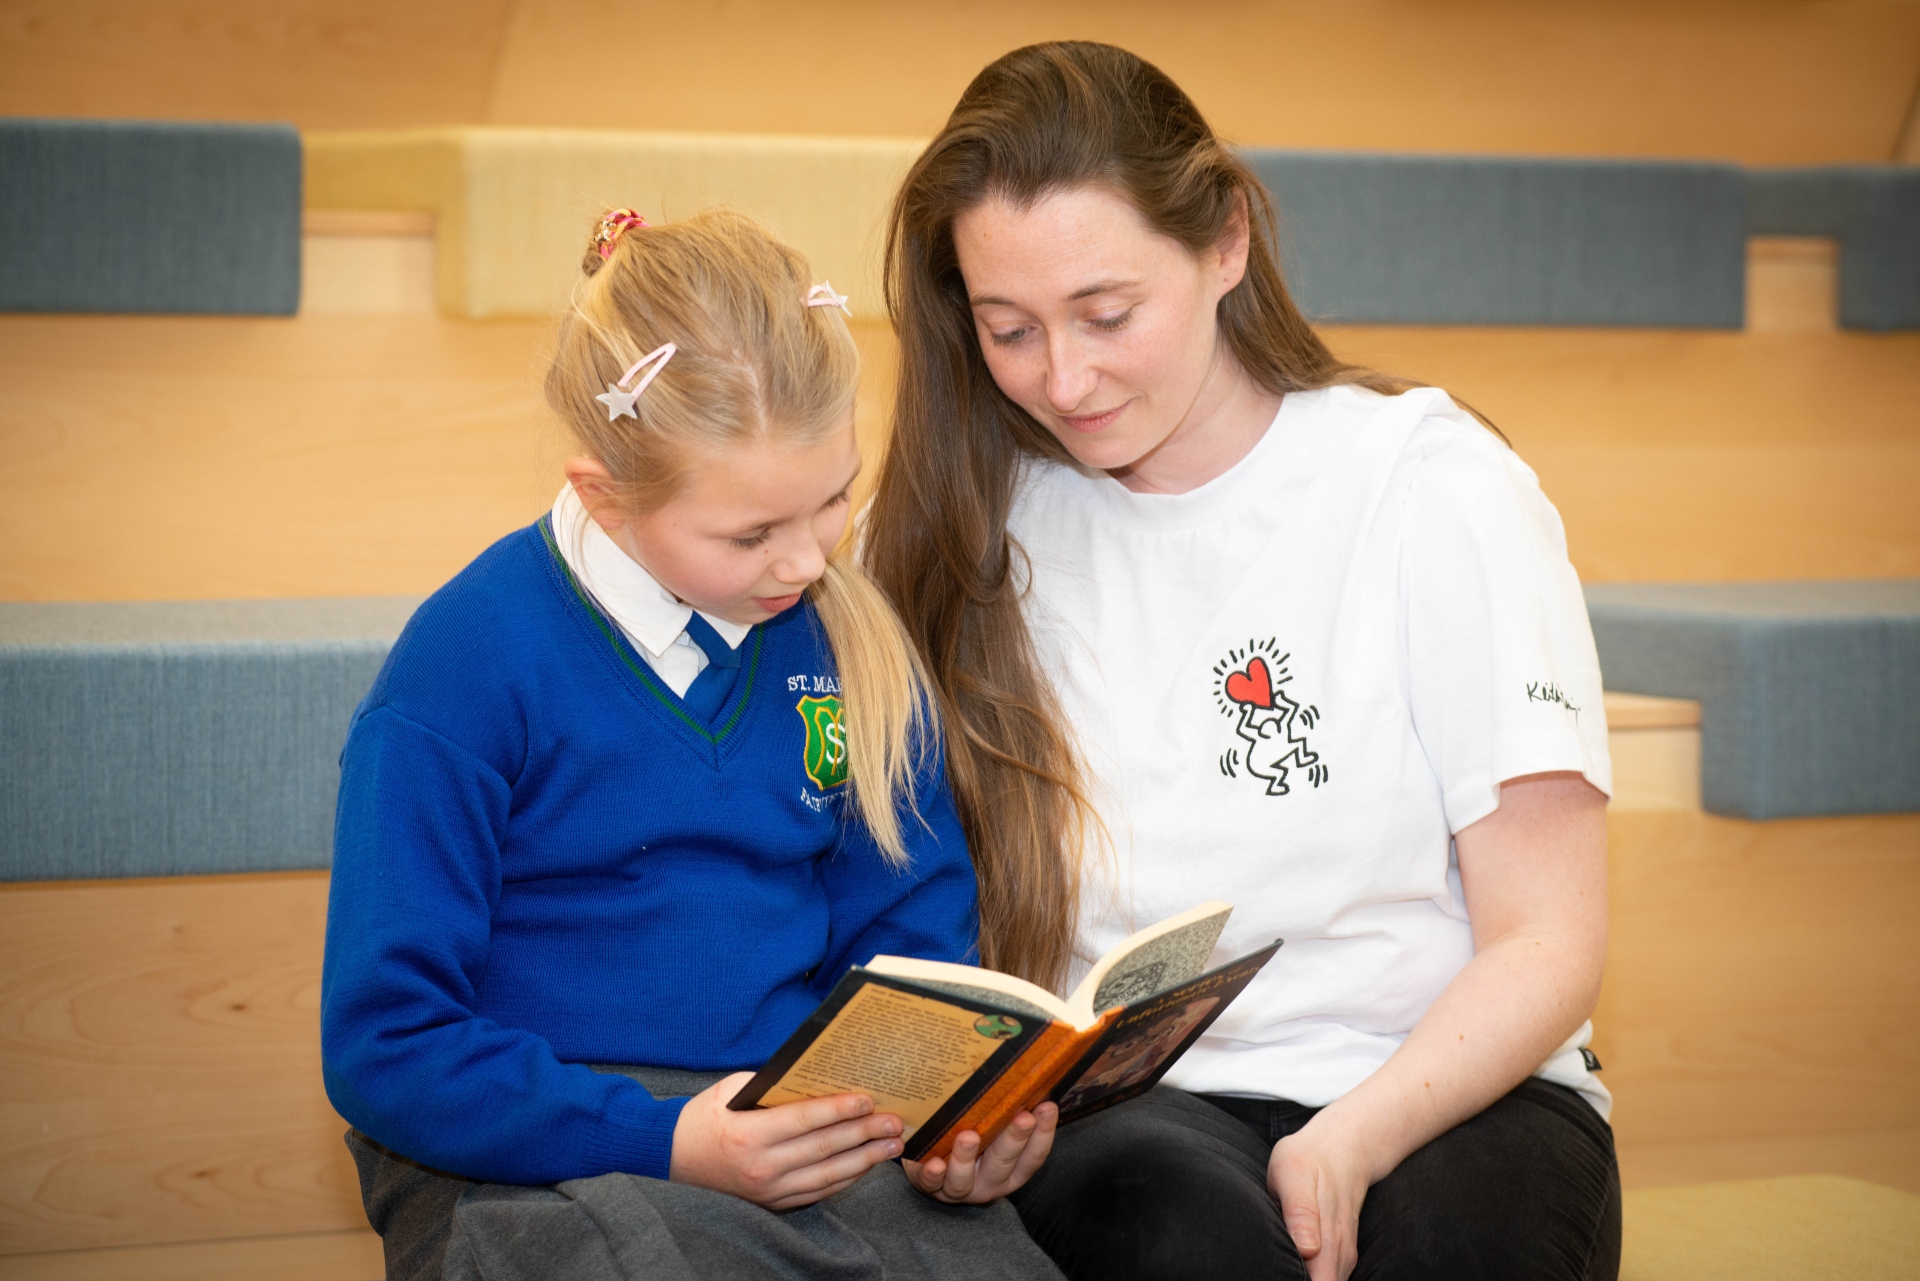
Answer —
649 679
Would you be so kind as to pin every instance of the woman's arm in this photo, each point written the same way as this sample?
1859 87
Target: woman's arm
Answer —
1535 876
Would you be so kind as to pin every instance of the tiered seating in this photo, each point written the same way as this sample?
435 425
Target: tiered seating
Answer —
1484 240
132 216
514 206
179 738
1873 211
1810 691
196 742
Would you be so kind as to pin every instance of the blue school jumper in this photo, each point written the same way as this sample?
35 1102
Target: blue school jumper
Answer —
544 859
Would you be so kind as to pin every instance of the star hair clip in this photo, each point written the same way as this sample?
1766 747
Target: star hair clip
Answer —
615 225
618 399
822 295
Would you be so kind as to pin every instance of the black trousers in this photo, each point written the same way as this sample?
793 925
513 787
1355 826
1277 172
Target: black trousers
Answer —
1173 1186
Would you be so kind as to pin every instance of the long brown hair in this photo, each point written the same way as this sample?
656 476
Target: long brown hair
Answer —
1043 119
754 363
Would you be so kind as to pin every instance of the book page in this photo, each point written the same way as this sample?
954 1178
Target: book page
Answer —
974 983
974 992
1157 958
907 1053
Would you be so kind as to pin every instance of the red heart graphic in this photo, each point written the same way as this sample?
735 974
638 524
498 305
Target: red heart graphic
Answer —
1251 686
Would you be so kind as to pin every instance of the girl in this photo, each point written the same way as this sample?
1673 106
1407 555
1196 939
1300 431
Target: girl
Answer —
636 788
1303 637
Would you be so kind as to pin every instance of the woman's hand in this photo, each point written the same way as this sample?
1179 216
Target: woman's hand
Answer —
1318 1177
1534 873
781 1157
969 1177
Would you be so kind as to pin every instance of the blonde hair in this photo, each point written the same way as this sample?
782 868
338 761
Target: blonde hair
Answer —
753 364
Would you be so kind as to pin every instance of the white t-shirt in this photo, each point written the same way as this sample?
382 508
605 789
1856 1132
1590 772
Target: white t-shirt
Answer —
1291 686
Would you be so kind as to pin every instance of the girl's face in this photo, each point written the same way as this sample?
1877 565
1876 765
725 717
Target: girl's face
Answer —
1101 328
748 529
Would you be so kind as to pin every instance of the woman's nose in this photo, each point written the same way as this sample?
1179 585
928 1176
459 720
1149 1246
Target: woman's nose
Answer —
1070 374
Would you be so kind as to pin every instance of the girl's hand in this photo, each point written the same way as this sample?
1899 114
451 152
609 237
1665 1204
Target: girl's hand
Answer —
782 1157
1319 1182
970 1178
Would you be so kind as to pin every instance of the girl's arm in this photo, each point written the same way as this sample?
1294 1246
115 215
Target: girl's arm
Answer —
407 1060
1534 875
416 877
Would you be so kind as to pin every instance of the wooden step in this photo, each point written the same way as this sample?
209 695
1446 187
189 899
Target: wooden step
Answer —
307 1256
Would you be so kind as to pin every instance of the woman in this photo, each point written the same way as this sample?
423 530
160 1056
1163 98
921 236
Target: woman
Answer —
1214 614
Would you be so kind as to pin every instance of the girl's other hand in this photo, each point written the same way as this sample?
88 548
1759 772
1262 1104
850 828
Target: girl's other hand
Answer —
781 1157
970 1178
1320 1187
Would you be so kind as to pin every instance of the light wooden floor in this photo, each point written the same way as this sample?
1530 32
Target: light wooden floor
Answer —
308 1256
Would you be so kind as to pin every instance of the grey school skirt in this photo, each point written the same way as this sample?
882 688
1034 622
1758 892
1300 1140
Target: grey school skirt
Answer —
437 1227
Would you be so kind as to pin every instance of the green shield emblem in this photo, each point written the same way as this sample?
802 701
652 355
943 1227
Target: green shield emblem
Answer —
826 756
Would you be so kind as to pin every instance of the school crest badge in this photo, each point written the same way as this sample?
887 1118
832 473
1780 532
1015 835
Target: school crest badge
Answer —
1249 685
826 752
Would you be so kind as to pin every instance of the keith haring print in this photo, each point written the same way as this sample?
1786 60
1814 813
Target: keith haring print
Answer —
1249 685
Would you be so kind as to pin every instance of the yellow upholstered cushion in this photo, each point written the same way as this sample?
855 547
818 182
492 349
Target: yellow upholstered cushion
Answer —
1802 1228
514 207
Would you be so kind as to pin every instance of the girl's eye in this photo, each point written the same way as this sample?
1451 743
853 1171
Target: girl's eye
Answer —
844 496
751 541
1111 323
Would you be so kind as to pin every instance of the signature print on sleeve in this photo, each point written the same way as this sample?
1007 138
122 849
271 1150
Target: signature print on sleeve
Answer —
1248 686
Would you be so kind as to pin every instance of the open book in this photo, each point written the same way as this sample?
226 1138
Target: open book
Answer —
948 1048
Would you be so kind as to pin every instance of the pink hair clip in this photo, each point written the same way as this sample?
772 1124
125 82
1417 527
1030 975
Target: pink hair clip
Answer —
822 295
618 399
615 225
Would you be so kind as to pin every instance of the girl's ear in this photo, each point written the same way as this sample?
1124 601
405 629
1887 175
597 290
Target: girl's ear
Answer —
594 485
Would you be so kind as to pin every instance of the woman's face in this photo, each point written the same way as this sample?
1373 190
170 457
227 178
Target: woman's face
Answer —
1100 327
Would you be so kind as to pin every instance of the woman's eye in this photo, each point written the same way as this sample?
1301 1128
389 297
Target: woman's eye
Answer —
1009 337
1111 323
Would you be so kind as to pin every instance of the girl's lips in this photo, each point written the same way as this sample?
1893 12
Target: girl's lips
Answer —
777 604
1094 422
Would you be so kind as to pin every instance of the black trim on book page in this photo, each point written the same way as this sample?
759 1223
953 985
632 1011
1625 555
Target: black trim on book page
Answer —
982 1079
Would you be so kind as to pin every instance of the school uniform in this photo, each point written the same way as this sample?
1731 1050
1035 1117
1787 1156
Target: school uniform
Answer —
1291 686
581 825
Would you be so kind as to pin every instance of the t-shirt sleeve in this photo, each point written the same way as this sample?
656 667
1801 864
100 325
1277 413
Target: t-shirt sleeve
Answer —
1498 655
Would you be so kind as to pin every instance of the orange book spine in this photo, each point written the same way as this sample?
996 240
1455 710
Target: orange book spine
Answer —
1023 1085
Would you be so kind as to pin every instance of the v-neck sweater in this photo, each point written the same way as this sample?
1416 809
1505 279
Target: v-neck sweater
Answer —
543 860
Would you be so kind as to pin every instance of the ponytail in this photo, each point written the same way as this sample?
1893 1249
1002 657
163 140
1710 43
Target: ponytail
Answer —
885 701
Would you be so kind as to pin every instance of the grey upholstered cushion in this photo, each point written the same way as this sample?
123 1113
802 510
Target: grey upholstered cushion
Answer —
1810 691
1874 211
1397 239
124 216
158 739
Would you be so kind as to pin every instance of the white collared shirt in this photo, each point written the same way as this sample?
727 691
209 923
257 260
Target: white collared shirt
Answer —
650 616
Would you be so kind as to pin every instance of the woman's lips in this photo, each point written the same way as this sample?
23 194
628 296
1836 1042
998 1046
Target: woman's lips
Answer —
777 604
1093 422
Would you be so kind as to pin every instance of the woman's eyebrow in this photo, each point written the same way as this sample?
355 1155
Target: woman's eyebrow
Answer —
1085 291
1101 287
